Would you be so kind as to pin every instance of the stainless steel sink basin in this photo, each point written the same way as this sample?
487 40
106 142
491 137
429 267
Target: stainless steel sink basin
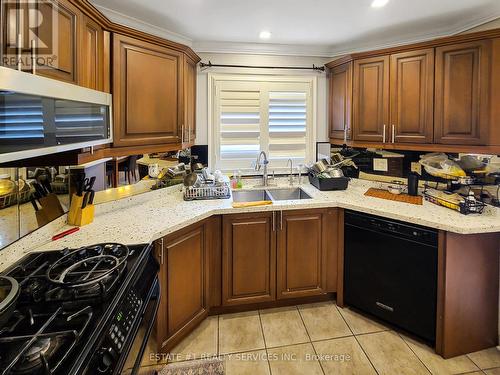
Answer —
288 194
250 195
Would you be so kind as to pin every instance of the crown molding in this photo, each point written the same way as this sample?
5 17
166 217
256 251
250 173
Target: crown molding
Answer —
261 49
274 49
135 23
443 32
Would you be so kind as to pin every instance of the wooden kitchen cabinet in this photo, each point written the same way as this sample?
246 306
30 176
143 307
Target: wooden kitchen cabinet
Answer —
184 261
340 101
55 58
370 117
189 97
147 87
279 255
302 250
249 258
412 96
91 54
462 93
65 65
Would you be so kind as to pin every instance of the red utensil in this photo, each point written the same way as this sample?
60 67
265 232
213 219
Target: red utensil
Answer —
65 233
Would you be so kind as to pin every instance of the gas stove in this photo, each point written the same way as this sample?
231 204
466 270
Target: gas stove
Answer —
67 306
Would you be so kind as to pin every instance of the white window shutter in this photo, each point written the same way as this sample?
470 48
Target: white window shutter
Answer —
251 115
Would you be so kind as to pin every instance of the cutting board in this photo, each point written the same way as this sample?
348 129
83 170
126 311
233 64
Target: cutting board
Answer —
384 194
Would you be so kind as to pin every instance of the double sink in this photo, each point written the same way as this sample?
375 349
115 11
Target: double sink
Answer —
256 195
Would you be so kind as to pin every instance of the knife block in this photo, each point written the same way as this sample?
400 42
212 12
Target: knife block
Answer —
80 216
51 209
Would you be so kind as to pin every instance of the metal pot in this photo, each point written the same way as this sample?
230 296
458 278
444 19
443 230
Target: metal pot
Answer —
319 167
335 172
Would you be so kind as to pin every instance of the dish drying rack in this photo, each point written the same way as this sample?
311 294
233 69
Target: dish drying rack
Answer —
217 190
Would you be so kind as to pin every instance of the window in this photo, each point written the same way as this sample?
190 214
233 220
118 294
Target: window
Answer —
253 113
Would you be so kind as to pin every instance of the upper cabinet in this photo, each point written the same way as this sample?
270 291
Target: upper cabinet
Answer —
462 93
412 96
189 96
147 87
371 99
91 54
339 104
64 66
73 53
153 80
435 96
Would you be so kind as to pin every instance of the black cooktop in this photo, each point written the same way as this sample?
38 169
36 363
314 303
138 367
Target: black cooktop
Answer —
66 296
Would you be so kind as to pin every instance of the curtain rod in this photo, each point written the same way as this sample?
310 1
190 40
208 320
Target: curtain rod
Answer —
210 65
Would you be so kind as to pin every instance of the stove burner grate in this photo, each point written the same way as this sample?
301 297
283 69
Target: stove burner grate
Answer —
44 350
88 265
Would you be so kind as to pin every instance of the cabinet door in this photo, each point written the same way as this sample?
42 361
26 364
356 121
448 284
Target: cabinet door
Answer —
189 87
462 93
184 282
249 258
301 255
91 54
412 96
147 83
64 48
371 99
340 100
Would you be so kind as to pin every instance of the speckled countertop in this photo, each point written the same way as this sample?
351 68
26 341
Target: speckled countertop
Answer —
146 217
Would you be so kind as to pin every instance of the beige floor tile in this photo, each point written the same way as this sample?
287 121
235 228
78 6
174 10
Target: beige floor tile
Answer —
202 342
493 371
489 358
323 321
343 356
240 332
283 326
390 355
360 324
437 364
294 360
248 363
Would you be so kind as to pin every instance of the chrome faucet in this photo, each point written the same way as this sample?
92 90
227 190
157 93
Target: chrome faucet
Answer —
290 161
264 163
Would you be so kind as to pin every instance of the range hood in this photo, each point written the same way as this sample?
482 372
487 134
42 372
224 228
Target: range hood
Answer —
40 116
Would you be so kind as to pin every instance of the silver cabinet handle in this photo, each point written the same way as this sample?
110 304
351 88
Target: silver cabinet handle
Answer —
393 133
182 133
274 222
383 135
189 133
161 252
19 51
345 133
281 220
33 56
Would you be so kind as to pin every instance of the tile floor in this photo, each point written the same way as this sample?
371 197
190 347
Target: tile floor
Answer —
320 339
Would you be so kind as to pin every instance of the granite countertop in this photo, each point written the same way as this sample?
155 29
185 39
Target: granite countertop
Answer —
146 217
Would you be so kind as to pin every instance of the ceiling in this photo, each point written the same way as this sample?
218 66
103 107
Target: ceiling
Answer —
322 27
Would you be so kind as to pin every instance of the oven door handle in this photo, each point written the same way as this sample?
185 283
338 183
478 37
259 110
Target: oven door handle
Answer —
149 328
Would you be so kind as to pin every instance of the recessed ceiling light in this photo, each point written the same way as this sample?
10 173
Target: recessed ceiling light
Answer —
265 34
379 3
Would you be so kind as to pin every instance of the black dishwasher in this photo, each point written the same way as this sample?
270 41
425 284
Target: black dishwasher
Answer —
390 271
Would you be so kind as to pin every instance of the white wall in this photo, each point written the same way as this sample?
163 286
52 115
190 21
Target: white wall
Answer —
259 60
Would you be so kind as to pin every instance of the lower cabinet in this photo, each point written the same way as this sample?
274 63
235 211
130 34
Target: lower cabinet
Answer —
184 260
242 259
278 255
302 250
249 258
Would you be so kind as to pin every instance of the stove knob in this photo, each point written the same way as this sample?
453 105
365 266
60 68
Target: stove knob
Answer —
106 360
